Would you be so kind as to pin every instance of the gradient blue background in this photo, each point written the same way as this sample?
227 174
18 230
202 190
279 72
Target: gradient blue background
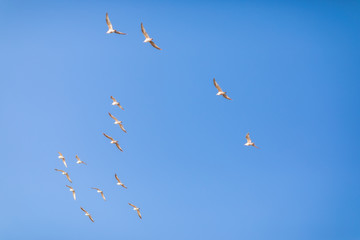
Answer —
292 69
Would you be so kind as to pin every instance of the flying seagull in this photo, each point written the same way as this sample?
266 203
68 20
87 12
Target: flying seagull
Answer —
79 161
64 173
87 214
136 209
111 29
249 142
116 103
119 182
118 122
147 38
99 191
113 142
221 92
73 191
62 158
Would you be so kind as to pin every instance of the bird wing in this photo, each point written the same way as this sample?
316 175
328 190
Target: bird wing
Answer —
144 31
114 100
108 137
118 146
67 176
217 86
154 45
117 178
95 188
116 31
123 185
77 158
248 138
113 117
132 205
83 162
120 106
91 218
138 212
74 195
60 154
227 97
59 170
102 194
69 186
122 127
255 146
83 210
64 162
108 22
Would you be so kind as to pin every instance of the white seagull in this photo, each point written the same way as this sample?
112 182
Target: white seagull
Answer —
119 182
136 209
249 142
116 103
118 122
113 142
87 214
79 161
64 173
220 91
73 191
62 158
147 38
111 29
99 191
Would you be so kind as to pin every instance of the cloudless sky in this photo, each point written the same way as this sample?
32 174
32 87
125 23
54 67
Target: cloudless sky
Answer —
291 68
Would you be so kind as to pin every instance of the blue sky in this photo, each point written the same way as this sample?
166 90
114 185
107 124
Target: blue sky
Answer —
291 68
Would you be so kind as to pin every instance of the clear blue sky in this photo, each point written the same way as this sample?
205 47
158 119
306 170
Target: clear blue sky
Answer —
291 68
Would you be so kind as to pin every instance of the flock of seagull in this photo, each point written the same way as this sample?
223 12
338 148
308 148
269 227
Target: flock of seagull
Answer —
117 122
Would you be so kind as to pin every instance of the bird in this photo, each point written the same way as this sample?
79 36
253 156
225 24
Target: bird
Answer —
73 191
249 142
101 192
118 122
64 173
87 214
147 38
79 161
116 103
221 92
62 158
119 182
113 142
111 29
136 209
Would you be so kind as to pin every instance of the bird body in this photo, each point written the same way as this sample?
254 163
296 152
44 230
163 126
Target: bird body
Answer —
116 103
147 38
119 183
87 214
62 158
136 209
220 91
73 191
79 161
113 141
101 192
117 122
111 29
249 142
64 173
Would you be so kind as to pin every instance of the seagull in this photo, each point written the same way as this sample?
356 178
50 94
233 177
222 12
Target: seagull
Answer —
79 161
87 214
221 92
136 209
249 142
147 38
116 102
62 158
118 122
73 191
111 30
99 191
64 173
113 142
119 182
